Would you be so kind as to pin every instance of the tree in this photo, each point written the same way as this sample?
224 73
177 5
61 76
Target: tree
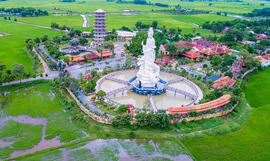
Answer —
61 75
216 60
154 24
123 108
193 113
57 39
83 41
230 74
209 83
30 44
250 60
37 40
109 45
126 118
199 77
101 94
265 42
141 117
18 70
71 82
172 49
2 67
194 30
128 61
237 91
44 38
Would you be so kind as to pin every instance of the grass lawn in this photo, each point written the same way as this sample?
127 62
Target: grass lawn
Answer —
252 141
70 21
35 101
12 45
257 90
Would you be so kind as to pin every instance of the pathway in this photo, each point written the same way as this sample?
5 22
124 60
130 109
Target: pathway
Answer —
152 102
186 94
85 21
116 80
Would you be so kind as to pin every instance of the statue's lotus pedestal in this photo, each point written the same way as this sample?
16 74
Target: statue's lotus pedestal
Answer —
144 89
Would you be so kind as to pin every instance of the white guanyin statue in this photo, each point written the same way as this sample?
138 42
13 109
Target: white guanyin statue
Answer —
148 74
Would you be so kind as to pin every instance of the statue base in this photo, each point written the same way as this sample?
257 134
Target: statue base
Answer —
144 89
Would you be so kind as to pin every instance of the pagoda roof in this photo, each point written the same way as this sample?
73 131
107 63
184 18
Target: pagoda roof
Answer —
99 11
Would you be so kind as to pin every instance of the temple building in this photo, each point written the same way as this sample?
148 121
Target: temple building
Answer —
99 27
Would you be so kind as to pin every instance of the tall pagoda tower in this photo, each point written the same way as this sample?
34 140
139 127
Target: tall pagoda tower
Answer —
99 27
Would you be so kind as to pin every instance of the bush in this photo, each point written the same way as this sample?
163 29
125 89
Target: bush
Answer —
178 125
123 108
132 134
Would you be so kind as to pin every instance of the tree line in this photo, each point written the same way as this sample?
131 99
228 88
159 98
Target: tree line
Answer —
25 11
265 12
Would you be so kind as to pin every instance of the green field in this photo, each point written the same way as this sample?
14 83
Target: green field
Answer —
78 6
202 18
12 45
37 102
252 141
92 5
232 7
184 22
70 21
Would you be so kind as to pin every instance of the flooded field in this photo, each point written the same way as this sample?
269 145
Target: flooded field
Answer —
24 119
119 150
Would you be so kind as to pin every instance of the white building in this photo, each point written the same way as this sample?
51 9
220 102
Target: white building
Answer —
126 34
265 60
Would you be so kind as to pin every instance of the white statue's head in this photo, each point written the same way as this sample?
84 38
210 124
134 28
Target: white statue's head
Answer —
150 32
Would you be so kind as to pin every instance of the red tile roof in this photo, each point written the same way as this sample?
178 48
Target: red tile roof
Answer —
185 44
105 53
92 56
199 47
223 81
262 36
76 58
207 51
267 56
223 100
192 54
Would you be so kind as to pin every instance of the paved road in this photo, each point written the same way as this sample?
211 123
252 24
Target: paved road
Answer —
42 48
